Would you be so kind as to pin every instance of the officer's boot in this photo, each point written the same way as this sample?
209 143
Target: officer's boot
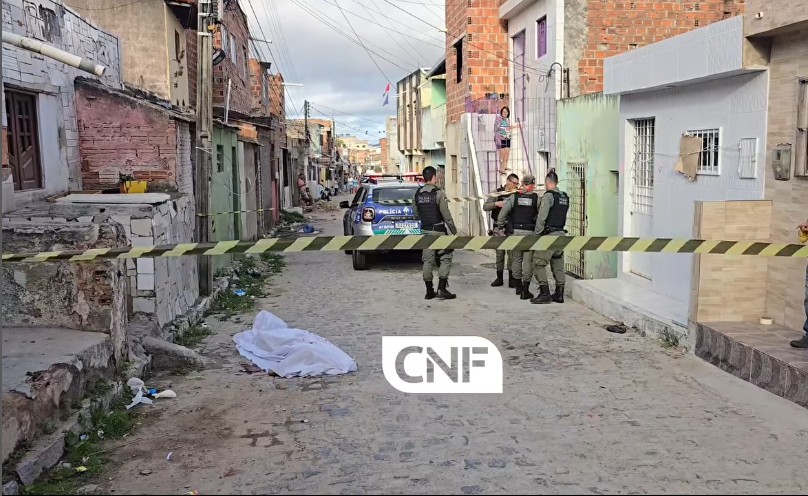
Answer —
498 281
544 294
430 290
512 281
525 294
558 297
444 293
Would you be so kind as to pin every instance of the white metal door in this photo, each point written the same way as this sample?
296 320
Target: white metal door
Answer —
642 193
465 211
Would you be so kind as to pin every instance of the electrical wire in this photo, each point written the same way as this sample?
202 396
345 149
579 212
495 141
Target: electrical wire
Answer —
308 9
395 40
360 41
279 92
349 114
527 69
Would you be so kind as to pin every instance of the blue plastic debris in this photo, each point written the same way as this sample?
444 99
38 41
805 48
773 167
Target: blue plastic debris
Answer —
308 229
239 292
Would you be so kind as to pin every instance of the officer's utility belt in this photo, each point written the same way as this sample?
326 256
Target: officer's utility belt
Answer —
524 227
548 230
441 228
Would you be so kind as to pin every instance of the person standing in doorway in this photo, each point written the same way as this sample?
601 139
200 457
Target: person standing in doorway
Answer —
550 222
518 214
504 138
803 341
431 207
494 205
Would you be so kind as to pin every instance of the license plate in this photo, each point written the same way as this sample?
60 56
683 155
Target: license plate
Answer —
406 225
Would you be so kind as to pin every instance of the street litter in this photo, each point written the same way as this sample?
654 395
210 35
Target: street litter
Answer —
81 469
307 229
168 458
165 394
239 292
275 347
137 386
617 329
250 368
84 437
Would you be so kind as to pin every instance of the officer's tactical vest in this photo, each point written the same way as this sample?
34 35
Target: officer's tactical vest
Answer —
428 208
557 218
525 211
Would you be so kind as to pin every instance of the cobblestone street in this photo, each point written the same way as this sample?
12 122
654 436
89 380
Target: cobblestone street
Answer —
583 410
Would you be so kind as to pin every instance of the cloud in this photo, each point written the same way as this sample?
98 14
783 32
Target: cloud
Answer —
338 76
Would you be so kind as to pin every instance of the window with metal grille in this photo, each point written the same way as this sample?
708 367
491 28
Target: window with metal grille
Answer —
642 168
576 216
710 150
747 162
801 157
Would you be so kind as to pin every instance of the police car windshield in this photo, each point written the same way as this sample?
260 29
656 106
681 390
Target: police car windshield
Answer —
393 195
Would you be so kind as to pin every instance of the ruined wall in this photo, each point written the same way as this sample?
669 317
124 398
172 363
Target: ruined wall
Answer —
163 287
86 296
123 135
54 24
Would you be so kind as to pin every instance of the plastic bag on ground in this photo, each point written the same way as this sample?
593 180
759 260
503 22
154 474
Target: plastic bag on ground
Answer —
275 347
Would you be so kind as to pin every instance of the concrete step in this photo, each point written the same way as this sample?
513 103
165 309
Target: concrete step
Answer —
44 371
757 353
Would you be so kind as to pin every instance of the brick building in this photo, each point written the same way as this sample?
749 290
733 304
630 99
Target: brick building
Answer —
476 53
233 38
385 158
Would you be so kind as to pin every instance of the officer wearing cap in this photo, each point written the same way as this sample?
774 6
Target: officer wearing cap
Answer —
551 220
494 205
430 205
519 214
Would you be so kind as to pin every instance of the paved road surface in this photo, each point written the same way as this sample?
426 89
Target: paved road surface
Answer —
584 410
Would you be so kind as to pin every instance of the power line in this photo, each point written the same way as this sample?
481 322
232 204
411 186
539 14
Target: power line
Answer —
403 48
349 114
409 35
306 8
279 92
284 51
360 41
526 69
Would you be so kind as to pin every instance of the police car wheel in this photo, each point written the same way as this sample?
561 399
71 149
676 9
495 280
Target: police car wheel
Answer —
360 260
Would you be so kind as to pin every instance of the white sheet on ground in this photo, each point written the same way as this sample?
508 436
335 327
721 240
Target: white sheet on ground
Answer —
274 346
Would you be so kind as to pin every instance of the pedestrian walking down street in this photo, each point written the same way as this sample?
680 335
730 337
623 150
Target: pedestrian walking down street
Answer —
494 205
550 222
803 341
432 208
518 215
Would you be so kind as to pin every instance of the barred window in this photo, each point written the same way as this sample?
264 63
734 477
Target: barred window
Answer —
710 150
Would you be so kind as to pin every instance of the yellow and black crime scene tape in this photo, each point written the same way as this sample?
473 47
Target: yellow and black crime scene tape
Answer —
423 242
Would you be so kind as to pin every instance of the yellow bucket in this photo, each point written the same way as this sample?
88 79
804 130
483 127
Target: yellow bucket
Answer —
134 187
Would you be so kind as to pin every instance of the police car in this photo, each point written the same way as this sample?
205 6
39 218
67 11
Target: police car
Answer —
383 205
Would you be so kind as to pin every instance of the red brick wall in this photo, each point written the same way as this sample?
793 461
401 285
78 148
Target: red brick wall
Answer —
277 96
618 26
190 57
258 79
485 54
120 136
240 94
385 153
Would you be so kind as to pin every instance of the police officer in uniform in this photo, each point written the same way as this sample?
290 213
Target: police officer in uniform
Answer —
519 215
430 205
494 205
550 222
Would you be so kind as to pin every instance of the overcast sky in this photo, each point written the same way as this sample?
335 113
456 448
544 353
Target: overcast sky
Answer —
338 76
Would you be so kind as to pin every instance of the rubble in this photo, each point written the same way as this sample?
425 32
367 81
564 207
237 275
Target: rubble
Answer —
170 356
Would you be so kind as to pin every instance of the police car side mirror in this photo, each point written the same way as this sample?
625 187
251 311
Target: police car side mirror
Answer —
344 204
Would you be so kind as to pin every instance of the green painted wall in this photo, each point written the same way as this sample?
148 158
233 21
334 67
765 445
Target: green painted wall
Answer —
588 132
438 92
225 188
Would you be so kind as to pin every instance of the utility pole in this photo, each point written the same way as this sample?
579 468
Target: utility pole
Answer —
306 134
204 138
